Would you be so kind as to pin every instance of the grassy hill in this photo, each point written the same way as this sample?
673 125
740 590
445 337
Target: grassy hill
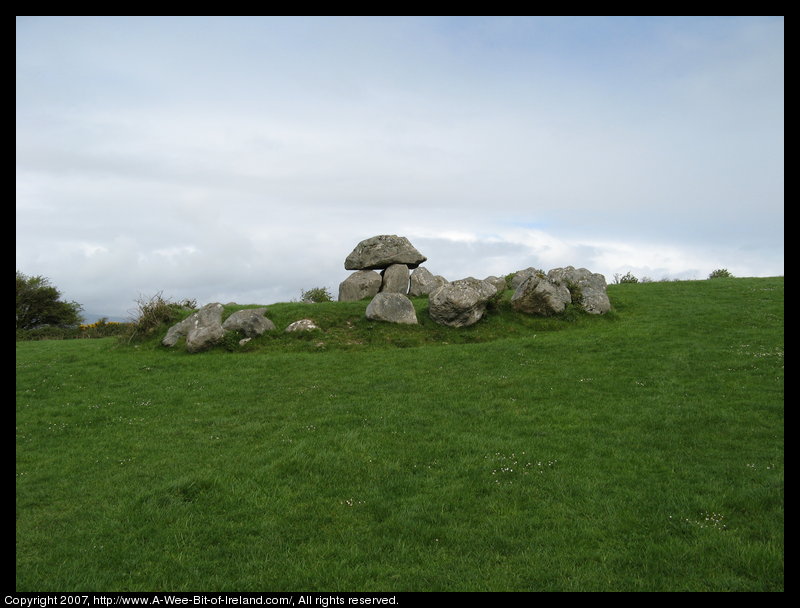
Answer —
637 451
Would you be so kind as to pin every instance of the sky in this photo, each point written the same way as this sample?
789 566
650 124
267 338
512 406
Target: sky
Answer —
241 159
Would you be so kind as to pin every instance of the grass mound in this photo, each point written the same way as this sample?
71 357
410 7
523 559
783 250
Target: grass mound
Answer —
639 452
344 326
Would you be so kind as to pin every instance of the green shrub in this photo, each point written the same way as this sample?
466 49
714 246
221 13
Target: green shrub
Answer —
232 339
48 332
626 278
315 295
576 293
156 311
720 273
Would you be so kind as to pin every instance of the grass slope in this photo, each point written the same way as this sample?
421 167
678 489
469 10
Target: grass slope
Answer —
642 451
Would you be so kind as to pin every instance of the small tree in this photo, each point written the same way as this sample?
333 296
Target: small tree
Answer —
626 278
39 304
720 273
318 294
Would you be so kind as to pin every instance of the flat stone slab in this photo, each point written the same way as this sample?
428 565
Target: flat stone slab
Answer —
382 251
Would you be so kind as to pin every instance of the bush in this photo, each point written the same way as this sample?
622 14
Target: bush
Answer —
232 340
156 311
626 278
318 294
576 293
720 273
48 332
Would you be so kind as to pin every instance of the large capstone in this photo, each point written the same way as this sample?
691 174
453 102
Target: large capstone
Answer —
381 252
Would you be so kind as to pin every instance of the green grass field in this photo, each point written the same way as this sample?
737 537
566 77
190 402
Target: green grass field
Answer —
638 451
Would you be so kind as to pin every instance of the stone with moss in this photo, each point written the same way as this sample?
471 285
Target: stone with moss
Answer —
202 329
540 296
588 289
382 251
460 303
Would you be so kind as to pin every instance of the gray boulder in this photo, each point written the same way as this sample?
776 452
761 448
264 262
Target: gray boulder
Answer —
392 307
395 279
423 282
250 321
302 325
538 295
202 329
176 332
587 288
382 251
498 282
203 338
359 285
521 275
460 303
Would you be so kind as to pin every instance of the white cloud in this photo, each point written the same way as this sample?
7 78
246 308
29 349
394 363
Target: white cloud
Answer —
242 159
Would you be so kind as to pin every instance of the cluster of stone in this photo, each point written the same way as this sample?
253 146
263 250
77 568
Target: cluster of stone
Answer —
387 269
394 256
205 328
382 266
457 303
549 294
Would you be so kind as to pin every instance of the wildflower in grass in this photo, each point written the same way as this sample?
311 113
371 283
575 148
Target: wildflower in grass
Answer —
513 466
708 519
102 328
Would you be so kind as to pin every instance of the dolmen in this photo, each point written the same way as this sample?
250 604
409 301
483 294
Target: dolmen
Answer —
382 266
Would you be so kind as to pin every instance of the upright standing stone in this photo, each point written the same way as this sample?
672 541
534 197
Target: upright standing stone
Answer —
359 285
423 282
395 279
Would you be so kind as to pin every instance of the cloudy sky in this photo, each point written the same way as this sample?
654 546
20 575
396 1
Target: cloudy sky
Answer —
243 158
